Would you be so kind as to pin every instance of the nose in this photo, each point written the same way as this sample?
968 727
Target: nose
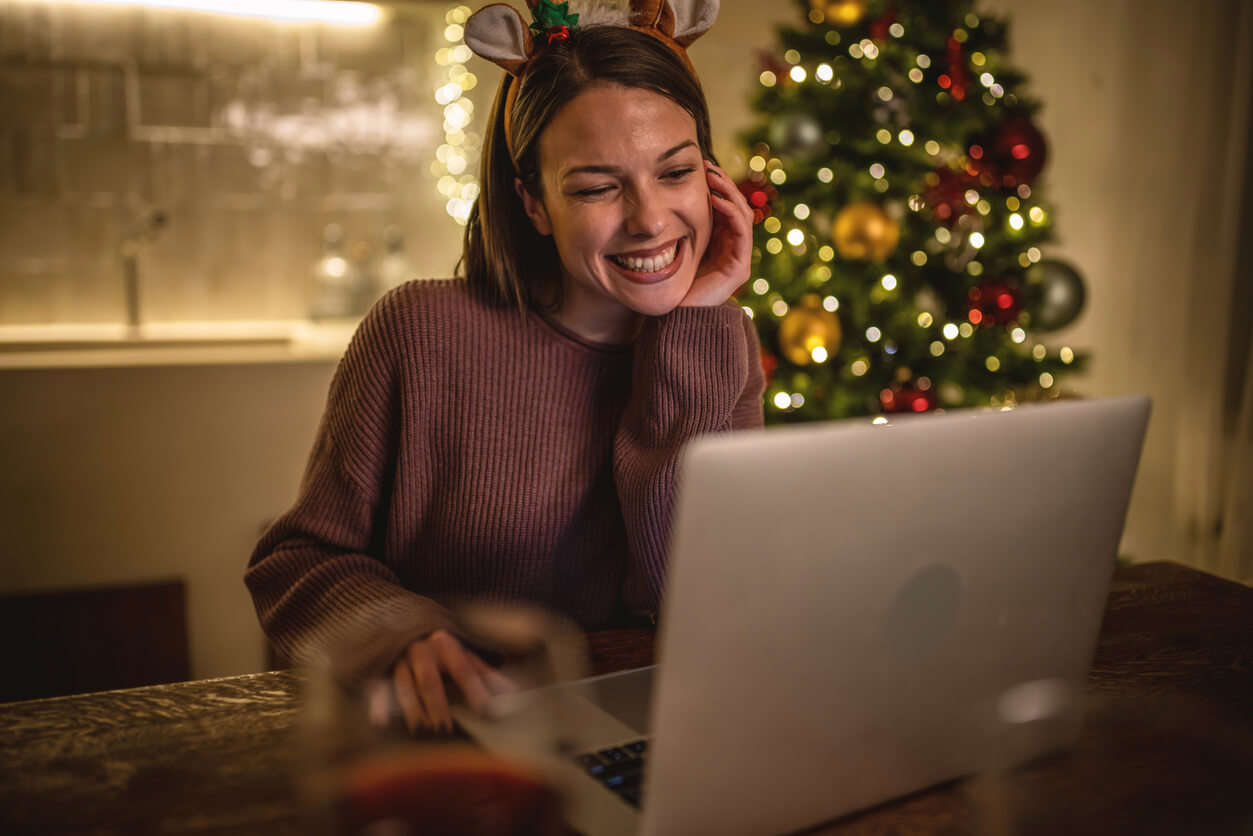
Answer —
646 213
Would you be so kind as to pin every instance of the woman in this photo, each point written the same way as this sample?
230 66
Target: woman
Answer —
513 434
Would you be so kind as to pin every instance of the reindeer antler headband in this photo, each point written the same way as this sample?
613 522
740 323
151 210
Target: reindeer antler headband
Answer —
499 34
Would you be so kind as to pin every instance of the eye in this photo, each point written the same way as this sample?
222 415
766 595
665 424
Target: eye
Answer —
594 192
679 173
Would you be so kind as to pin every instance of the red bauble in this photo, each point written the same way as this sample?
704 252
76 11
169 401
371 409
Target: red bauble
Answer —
768 364
994 302
908 398
758 194
947 195
1015 152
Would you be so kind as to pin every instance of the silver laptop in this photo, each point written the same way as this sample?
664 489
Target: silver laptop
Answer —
856 611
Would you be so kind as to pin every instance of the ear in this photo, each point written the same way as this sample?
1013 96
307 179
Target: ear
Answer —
535 209
683 21
498 33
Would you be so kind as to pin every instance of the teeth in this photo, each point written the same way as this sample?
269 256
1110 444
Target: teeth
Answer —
648 265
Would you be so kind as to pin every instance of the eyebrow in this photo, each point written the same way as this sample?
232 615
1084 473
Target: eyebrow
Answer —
613 169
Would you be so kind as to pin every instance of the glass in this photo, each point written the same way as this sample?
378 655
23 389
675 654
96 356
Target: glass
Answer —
359 771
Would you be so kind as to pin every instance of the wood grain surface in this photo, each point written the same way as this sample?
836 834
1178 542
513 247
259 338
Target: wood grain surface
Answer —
1166 749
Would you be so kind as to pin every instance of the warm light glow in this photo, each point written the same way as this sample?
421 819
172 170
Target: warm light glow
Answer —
831 304
1039 352
925 319
918 258
757 163
906 137
774 246
885 94
767 79
795 237
798 74
937 348
318 11
1067 355
889 282
915 75
943 235
859 368
932 147
993 363
896 30
826 175
950 331
976 239
1018 335
779 308
778 177
883 135
798 400
873 334
826 253
1015 221
1036 214
801 211
1046 380
782 400
772 225
819 354
877 170
879 420
748 311
824 73
965 329
761 287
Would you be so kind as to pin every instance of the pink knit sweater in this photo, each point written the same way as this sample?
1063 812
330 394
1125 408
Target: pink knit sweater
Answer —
472 451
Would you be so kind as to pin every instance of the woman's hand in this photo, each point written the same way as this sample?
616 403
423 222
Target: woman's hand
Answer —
727 260
418 682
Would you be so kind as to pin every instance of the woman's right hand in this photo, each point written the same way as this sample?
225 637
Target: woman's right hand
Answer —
418 681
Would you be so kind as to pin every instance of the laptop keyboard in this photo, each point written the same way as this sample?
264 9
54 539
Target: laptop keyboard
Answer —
620 768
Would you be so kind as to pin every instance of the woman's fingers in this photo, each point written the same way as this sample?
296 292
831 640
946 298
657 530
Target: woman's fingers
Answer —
430 685
407 695
456 661
497 682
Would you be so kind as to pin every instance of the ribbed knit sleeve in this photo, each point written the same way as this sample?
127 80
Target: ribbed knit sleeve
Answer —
315 576
696 370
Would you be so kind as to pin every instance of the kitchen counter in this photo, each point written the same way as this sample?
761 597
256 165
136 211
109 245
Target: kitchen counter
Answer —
114 345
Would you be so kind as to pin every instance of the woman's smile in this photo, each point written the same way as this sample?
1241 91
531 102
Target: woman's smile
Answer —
661 264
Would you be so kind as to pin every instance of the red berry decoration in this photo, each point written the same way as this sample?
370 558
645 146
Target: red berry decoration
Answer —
908 397
758 194
994 302
1014 153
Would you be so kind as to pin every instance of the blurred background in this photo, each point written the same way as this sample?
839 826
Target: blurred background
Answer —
196 206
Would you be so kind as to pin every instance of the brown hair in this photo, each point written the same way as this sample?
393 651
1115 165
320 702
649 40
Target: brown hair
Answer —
503 256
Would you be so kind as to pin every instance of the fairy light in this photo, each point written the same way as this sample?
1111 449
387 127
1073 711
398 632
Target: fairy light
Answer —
795 237
1046 381
798 400
774 246
974 268
873 334
923 61
1036 214
1067 355
1033 255
949 331
976 239
932 147
896 30
798 74
993 363
831 304
767 78
1015 221
885 94
906 137
943 235
966 330
978 59
779 308
888 282
452 158
918 258
792 56
761 287
825 175
937 348
1018 335
757 162
915 75
824 73
1039 352
782 400
877 171
826 253
819 354
772 225
883 135
748 311
778 177
859 368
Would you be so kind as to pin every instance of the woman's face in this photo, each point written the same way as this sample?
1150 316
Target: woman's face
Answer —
626 201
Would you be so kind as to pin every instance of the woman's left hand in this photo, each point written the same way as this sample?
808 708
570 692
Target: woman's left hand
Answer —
727 260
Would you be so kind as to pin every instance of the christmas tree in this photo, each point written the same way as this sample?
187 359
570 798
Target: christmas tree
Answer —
900 225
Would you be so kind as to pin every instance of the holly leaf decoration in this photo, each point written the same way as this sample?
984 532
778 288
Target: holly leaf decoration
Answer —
549 15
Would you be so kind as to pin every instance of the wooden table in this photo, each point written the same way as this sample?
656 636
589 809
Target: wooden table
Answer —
1168 747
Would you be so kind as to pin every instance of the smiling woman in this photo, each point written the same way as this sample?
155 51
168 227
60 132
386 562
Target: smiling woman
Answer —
594 313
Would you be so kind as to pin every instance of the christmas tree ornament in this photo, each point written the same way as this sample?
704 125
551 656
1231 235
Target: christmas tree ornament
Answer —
1013 153
863 231
758 193
909 397
808 328
798 134
840 12
946 194
1056 294
958 74
994 302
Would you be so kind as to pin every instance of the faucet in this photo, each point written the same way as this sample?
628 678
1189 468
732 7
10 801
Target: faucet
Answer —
144 230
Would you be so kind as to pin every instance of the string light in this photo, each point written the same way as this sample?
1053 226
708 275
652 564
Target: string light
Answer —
1015 221
778 177
801 211
452 158
1039 352
906 137
1067 355
826 253
779 308
798 74
918 258
925 319
859 368
761 287
873 334
782 400
826 175
888 282
772 225
830 303
937 348
824 73
877 171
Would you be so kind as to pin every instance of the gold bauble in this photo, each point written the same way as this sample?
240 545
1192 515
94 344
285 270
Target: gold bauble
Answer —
864 231
840 12
807 326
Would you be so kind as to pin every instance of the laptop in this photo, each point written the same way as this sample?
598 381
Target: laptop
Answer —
857 610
